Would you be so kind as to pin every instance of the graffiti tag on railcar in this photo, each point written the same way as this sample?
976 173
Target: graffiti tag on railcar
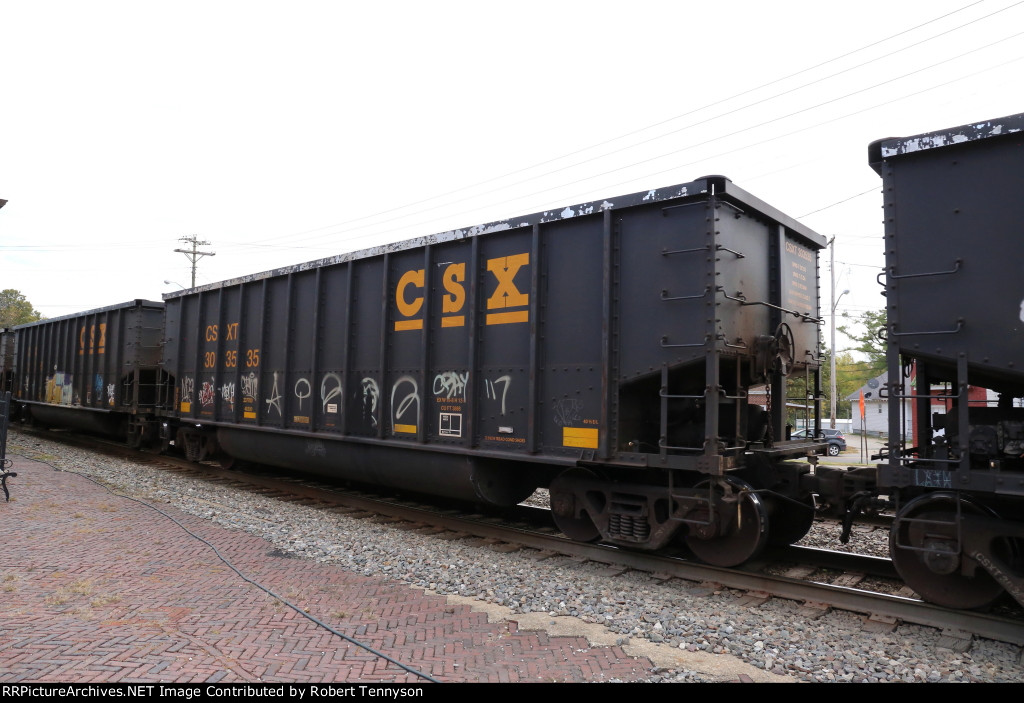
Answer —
302 390
368 400
250 393
188 386
274 401
59 389
330 388
315 447
933 478
206 394
401 411
450 384
227 394
567 411
491 389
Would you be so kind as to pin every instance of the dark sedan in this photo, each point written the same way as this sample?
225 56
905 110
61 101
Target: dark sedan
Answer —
835 438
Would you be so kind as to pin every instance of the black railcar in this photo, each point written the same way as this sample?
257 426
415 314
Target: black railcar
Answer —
8 339
955 307
604 349
97 371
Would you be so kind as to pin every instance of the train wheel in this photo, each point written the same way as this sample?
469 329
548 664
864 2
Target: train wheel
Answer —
569 517
790 522
192 445
134 435
729 542
925 550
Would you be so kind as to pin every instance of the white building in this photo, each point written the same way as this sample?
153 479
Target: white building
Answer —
876 408
878 405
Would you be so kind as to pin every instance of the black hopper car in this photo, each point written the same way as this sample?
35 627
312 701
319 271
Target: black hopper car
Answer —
955 320
607 351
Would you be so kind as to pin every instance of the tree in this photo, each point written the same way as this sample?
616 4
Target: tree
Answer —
851 373
863 330
15 309
849 377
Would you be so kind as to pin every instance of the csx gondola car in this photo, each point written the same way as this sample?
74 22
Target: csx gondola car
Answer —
97 371
604 349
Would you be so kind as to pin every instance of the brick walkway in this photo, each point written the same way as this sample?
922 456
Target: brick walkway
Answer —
98 588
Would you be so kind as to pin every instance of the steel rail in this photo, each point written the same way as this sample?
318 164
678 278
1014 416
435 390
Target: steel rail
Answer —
869 603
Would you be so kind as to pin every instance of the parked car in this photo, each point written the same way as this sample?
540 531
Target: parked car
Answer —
835 438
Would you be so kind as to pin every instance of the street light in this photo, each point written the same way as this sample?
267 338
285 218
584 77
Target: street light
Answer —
175 283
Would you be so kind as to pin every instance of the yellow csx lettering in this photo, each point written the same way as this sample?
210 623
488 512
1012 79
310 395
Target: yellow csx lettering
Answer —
409 304
213 331
506 295
94 346
407 307
455 298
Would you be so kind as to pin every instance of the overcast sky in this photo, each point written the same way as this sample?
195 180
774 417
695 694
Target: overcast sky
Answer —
284 132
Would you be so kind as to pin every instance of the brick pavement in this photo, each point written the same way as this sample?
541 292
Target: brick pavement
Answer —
98 588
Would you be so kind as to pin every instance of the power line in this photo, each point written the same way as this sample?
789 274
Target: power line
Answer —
838 202
720 137
657 124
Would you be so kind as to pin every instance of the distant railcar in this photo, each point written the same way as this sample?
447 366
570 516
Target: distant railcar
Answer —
8 339
97 371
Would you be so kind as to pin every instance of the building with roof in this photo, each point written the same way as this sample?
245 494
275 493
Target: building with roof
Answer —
879 403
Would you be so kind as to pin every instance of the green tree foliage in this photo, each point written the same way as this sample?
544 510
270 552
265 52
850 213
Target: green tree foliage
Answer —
863 330
850 375
852 369
800 391
15 309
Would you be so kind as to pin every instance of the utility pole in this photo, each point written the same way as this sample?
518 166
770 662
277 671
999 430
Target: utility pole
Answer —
832 355
194 254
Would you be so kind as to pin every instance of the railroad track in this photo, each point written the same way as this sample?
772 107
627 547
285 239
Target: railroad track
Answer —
818 579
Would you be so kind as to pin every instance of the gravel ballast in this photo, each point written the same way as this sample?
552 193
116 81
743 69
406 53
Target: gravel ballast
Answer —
778 636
